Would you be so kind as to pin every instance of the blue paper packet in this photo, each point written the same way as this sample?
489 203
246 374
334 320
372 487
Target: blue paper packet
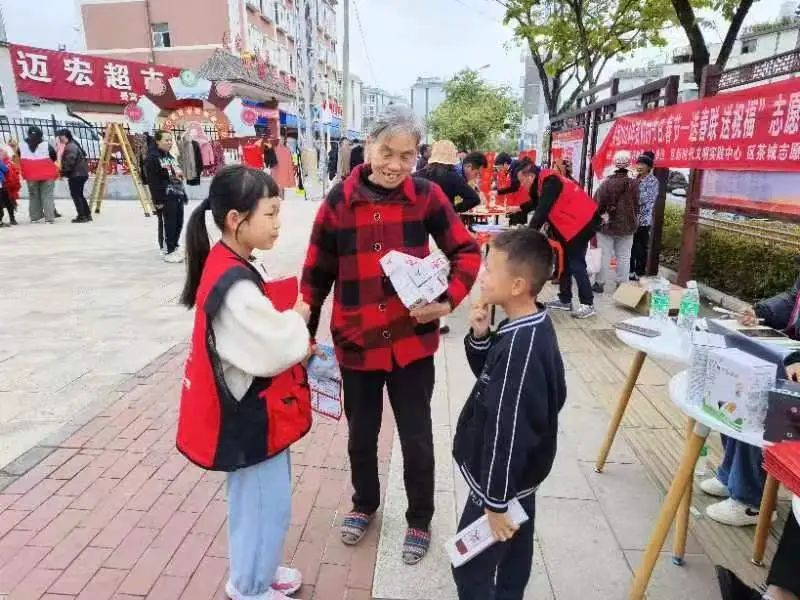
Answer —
324 367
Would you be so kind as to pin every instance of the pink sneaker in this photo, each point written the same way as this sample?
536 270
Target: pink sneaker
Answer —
271 594
287 581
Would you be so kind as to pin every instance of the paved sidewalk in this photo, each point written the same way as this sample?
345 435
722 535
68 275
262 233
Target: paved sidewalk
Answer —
115 512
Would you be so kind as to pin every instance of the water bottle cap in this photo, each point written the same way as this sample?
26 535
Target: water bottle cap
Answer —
691 284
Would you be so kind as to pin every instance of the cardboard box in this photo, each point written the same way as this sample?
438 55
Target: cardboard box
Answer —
737 387
636 296
417 281
703 343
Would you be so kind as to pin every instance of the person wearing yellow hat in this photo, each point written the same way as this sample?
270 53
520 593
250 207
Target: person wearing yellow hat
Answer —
441 169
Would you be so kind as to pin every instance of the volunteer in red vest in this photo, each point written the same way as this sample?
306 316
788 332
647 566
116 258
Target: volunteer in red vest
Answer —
38 162
245 396
380 343
573 219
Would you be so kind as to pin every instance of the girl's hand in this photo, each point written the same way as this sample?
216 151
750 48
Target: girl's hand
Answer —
748 317
302 309
793 372
503 528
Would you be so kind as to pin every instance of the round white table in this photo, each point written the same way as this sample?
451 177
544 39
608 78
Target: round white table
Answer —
676 505
672 345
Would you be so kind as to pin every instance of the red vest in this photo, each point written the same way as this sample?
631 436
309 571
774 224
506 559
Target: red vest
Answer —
573 210
216 431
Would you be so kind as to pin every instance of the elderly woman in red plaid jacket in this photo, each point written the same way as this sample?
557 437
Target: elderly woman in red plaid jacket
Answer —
379 343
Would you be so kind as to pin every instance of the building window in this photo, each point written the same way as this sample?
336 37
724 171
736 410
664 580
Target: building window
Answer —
161 37
749 46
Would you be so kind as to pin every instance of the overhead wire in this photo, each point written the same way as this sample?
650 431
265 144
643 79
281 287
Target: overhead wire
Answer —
363 40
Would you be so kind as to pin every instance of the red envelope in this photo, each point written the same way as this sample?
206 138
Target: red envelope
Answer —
282 292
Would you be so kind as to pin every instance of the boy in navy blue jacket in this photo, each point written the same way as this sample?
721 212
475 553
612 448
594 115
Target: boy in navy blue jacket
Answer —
505 441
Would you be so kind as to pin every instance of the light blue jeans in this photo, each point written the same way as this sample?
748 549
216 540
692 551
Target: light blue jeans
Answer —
259 509
741 472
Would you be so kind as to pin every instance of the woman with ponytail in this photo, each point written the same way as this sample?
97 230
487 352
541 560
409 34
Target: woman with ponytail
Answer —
245 397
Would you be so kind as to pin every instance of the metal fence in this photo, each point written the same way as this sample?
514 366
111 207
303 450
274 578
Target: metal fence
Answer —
90 136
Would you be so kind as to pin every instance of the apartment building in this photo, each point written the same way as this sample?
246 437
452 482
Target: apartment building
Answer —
373 101
185 33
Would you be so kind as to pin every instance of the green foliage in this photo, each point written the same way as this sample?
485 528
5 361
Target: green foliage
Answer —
744 267
474 112
577 38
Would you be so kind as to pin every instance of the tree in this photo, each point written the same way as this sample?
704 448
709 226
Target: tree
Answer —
573 40
734 12
474 112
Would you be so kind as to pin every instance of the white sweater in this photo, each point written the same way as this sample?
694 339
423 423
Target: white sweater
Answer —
255 340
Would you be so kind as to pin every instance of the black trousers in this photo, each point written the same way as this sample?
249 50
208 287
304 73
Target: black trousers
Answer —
575 266
641 246
502 571
784 572
76 185
160 223
410 390
173 222
6 205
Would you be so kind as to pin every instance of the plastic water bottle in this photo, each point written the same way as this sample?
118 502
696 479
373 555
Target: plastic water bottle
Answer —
659 300
690 306
701 468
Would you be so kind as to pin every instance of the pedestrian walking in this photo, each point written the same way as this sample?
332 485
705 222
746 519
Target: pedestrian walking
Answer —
9 185
244 399
38 162
618 203
380 207
505 440
648 194
333 160
75 168
573 220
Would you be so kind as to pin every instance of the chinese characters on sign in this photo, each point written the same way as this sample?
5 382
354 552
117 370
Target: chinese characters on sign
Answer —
78 77
754 129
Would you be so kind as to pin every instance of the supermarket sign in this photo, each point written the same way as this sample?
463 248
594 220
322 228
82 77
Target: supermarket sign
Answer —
69 76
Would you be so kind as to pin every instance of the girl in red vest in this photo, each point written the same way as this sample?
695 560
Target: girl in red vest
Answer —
245 396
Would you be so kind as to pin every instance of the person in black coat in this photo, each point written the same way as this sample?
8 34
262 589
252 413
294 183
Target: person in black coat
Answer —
333 161
356 154
441 169
165 180
75 168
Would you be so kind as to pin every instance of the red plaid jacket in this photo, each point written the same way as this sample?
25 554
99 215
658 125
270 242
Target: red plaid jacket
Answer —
372 329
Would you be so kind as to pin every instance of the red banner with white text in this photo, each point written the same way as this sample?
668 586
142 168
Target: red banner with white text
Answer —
753 129
55 75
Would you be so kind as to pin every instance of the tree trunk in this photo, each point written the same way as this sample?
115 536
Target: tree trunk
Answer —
733 33
688 20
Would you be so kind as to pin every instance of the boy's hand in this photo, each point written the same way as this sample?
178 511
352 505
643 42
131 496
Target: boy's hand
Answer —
479 320
430 312
503 528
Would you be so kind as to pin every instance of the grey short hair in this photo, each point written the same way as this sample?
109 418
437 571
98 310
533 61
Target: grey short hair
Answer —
394 120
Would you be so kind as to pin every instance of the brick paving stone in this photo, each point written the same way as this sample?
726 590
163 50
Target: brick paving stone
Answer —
131 548
103 519
102 585
207 578
81 571
18 567
35 584
69 548
168 587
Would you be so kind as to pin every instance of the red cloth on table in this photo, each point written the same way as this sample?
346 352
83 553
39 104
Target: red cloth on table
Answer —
782 461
